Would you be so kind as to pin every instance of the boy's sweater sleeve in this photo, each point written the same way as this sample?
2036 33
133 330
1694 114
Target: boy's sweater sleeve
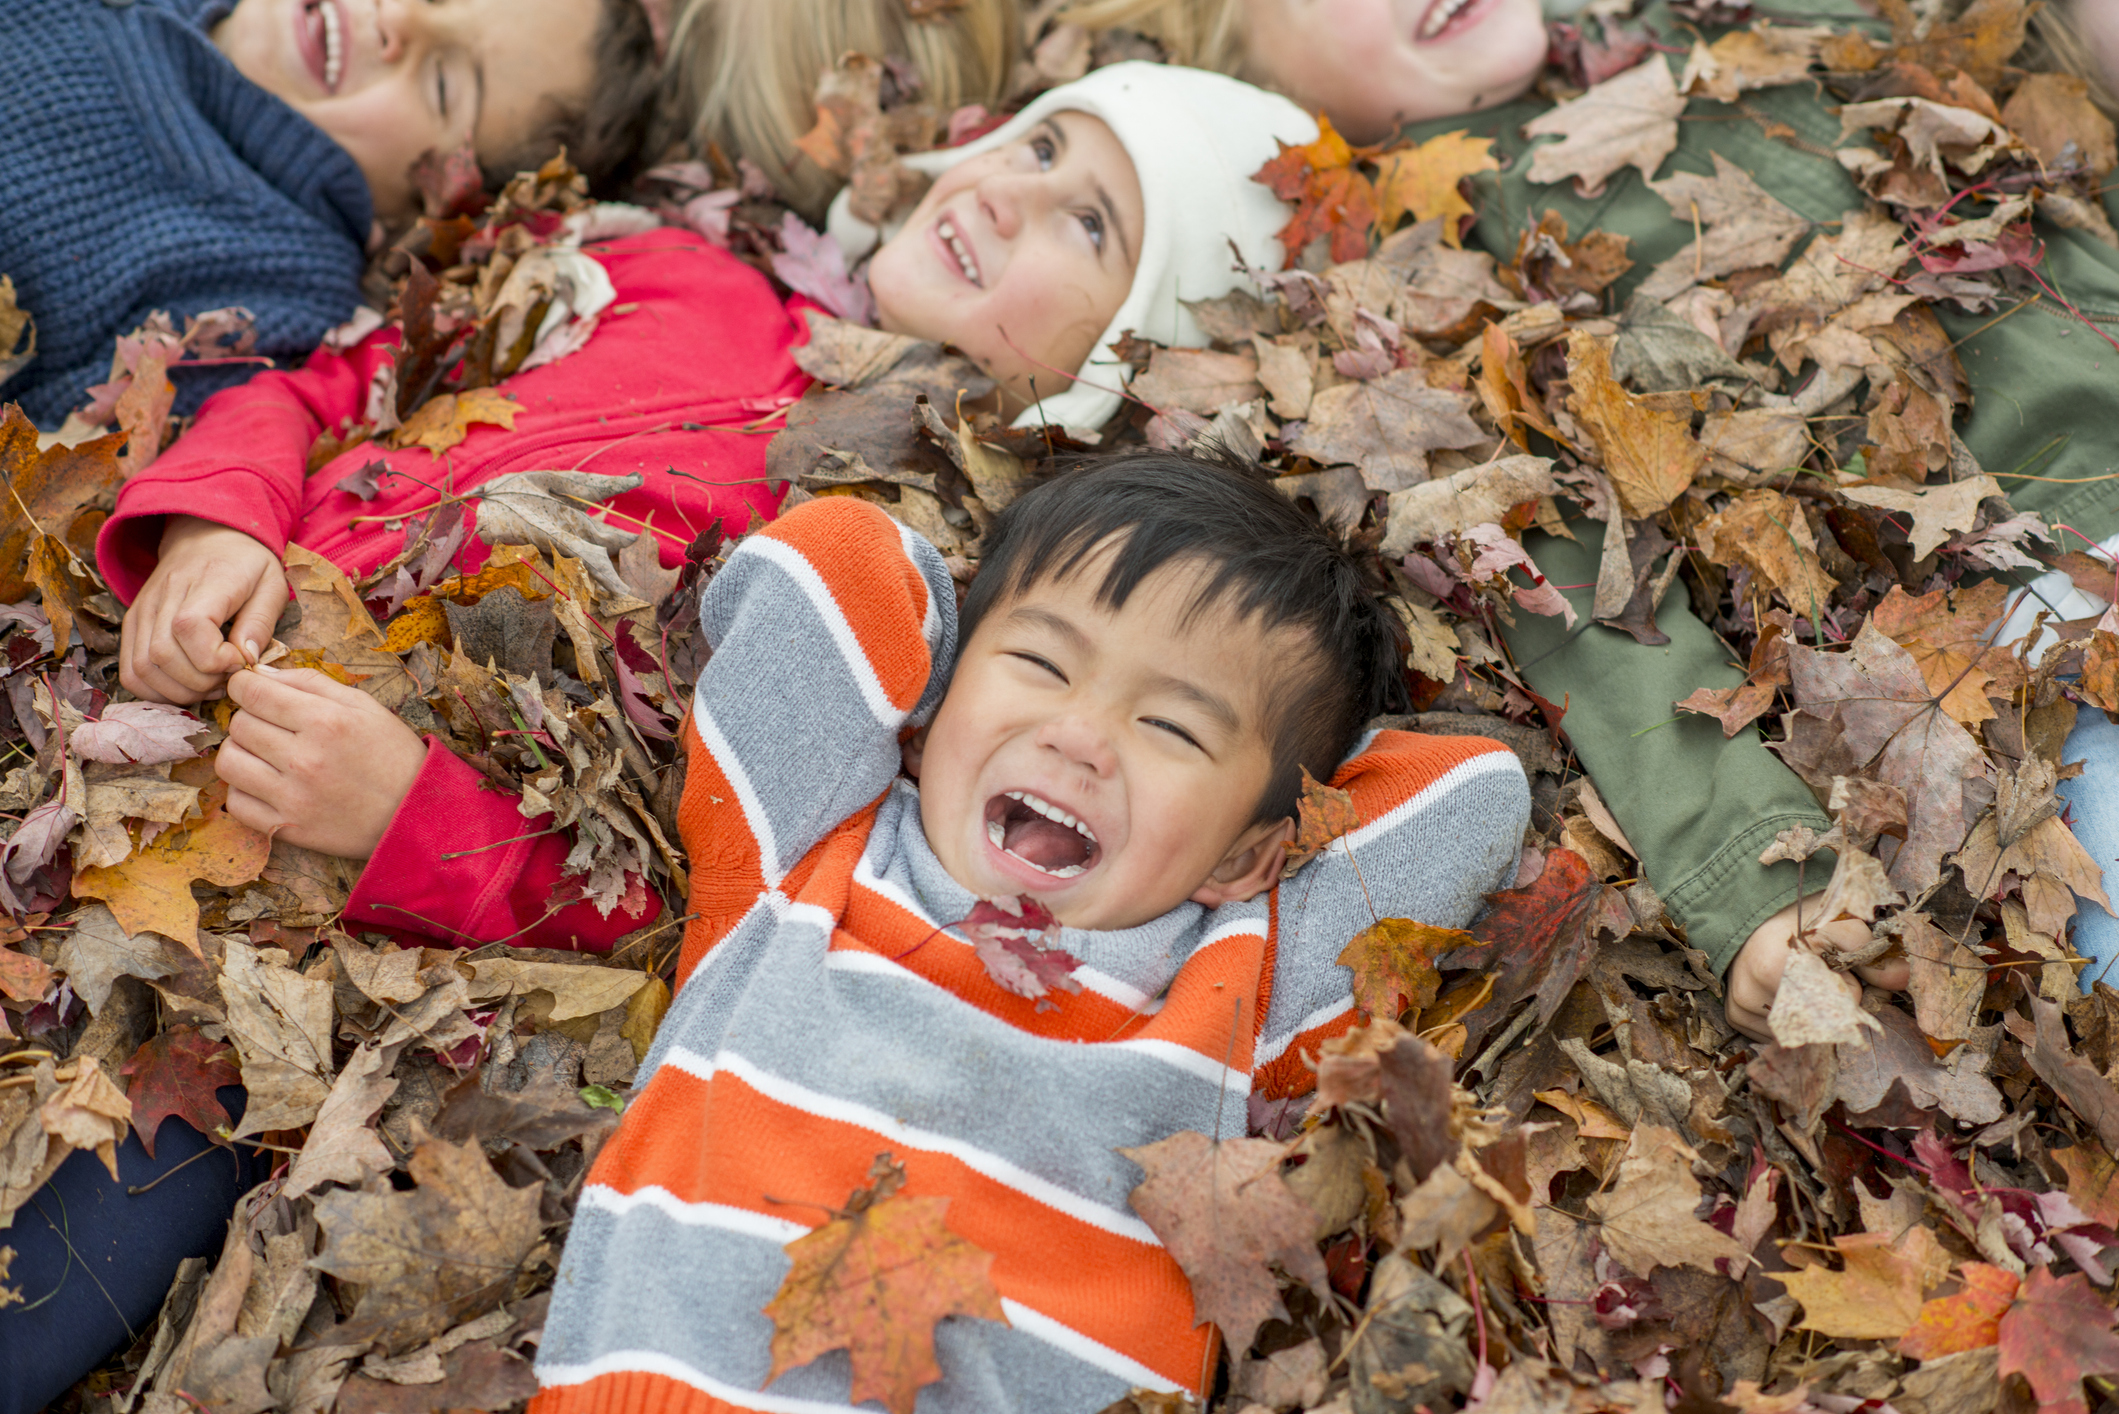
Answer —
242 463
832 632
1443 826
461 865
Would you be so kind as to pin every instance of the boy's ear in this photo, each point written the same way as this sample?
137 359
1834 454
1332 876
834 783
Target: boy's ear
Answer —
1251 866
914 751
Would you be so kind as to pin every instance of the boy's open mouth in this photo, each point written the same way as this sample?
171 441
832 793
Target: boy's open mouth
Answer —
1042 835
324 41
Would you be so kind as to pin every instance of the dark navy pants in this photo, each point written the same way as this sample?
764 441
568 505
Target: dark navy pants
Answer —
93 1263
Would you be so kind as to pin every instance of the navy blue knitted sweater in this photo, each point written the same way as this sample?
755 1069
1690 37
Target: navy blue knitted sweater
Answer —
140 171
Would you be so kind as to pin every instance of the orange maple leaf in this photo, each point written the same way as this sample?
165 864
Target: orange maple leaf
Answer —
874 1282
150 890
1968 1320
1393 961
1423 180
1332 198
1322 815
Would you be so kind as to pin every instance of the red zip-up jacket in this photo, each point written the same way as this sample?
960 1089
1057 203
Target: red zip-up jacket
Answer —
695 349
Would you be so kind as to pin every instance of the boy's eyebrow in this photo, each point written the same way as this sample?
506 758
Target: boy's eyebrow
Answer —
1103 197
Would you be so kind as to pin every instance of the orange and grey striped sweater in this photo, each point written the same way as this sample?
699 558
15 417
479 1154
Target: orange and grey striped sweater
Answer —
813 1029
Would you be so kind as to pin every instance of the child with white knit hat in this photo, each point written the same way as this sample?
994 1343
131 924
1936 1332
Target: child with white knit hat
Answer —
1187 142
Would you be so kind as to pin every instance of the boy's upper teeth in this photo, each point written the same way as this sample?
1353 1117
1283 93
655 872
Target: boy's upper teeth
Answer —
1052 812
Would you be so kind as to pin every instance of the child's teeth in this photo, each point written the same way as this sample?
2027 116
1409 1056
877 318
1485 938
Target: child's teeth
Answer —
998 835
1438 19
333 52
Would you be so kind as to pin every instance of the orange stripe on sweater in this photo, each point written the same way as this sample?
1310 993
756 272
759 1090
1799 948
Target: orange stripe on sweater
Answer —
630 1392
855 549
1119 1292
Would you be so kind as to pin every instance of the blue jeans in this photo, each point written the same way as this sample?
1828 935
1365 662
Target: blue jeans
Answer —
2093 809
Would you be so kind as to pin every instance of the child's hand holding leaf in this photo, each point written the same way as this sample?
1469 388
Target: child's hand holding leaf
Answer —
174 648
316 763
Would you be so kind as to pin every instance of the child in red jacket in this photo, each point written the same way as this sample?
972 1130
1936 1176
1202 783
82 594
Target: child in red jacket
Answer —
1037 247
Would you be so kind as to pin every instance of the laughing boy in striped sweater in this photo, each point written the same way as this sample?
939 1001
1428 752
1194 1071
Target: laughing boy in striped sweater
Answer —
1115 725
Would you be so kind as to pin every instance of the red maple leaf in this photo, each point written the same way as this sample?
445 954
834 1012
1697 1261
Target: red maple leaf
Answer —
2057 1332
176 1073
1017 941
1536 939
1332 198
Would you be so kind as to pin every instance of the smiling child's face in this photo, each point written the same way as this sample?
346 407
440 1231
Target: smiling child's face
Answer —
1020 256
1373 64
1108 763
389 80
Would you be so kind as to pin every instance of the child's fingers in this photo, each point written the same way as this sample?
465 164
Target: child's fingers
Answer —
254 622
251 785
1894 975
263 739
290 698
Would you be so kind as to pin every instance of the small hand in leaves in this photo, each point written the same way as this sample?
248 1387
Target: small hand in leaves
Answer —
1755 977
208 578
317 763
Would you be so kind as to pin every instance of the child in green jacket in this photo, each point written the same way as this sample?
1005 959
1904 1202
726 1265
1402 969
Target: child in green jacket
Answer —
1699 809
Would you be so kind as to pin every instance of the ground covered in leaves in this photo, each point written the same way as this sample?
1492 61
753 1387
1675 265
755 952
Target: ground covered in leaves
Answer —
1546 1173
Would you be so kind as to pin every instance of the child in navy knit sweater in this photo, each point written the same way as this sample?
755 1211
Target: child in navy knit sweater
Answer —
188 155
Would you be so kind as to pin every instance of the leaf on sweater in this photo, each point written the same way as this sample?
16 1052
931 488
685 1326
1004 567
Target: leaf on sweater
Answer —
18 332
147 733
1649 1212
176 1073
1322 814
1536 940
444 421
427 1259
1225 1214
875 1281
1386 427
151 890
1876 1294
1627 121
1423 182
1016 940
1393 961
1968 1319
2056 1333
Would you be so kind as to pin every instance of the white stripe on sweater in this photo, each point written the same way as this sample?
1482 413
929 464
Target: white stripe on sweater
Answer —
981 1161
1089 1352
1271 1048
654 1362
820 598
1455 778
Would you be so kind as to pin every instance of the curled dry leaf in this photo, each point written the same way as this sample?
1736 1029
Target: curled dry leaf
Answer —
1816 1006
1649 1212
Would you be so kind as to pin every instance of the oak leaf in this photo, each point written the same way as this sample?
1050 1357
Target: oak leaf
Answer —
1876 1294
1648 1213
1649 453
1393 961
1224 1213
1627 121
151 890
2057 1332
875 1281
1970 1319
177 1073
426 1259
1423 180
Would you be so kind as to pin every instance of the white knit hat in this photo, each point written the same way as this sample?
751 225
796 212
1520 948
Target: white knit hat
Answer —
1195 139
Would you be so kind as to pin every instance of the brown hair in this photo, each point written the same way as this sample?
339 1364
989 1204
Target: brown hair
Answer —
742 74
604 131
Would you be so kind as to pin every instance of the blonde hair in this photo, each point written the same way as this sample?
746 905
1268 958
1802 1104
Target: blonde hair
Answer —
1204 34
742 74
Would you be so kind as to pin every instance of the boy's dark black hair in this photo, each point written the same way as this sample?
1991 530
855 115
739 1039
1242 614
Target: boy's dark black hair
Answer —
1272 564
604 131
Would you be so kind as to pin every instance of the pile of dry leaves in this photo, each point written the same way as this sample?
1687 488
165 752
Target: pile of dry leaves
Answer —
1545 1174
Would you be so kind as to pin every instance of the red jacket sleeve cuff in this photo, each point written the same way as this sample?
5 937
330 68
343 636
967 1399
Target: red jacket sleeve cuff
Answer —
130 543
460 865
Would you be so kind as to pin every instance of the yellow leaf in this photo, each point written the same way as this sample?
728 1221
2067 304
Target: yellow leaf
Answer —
1877 1293
443 421
1423 180
150 892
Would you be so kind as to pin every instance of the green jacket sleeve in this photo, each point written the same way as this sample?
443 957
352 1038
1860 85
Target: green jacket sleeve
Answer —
1696 807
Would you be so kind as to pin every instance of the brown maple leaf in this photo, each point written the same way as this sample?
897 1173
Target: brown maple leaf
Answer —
1627 121
1224 1212
2092 1180
875 1281
1648 1212
1650 454
2049 111
1876 1294
1938 512
1980 41
1760 57
1744 227
1322 814
177 1073
1738 707
444 421
46 494
1768 534
1386 427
